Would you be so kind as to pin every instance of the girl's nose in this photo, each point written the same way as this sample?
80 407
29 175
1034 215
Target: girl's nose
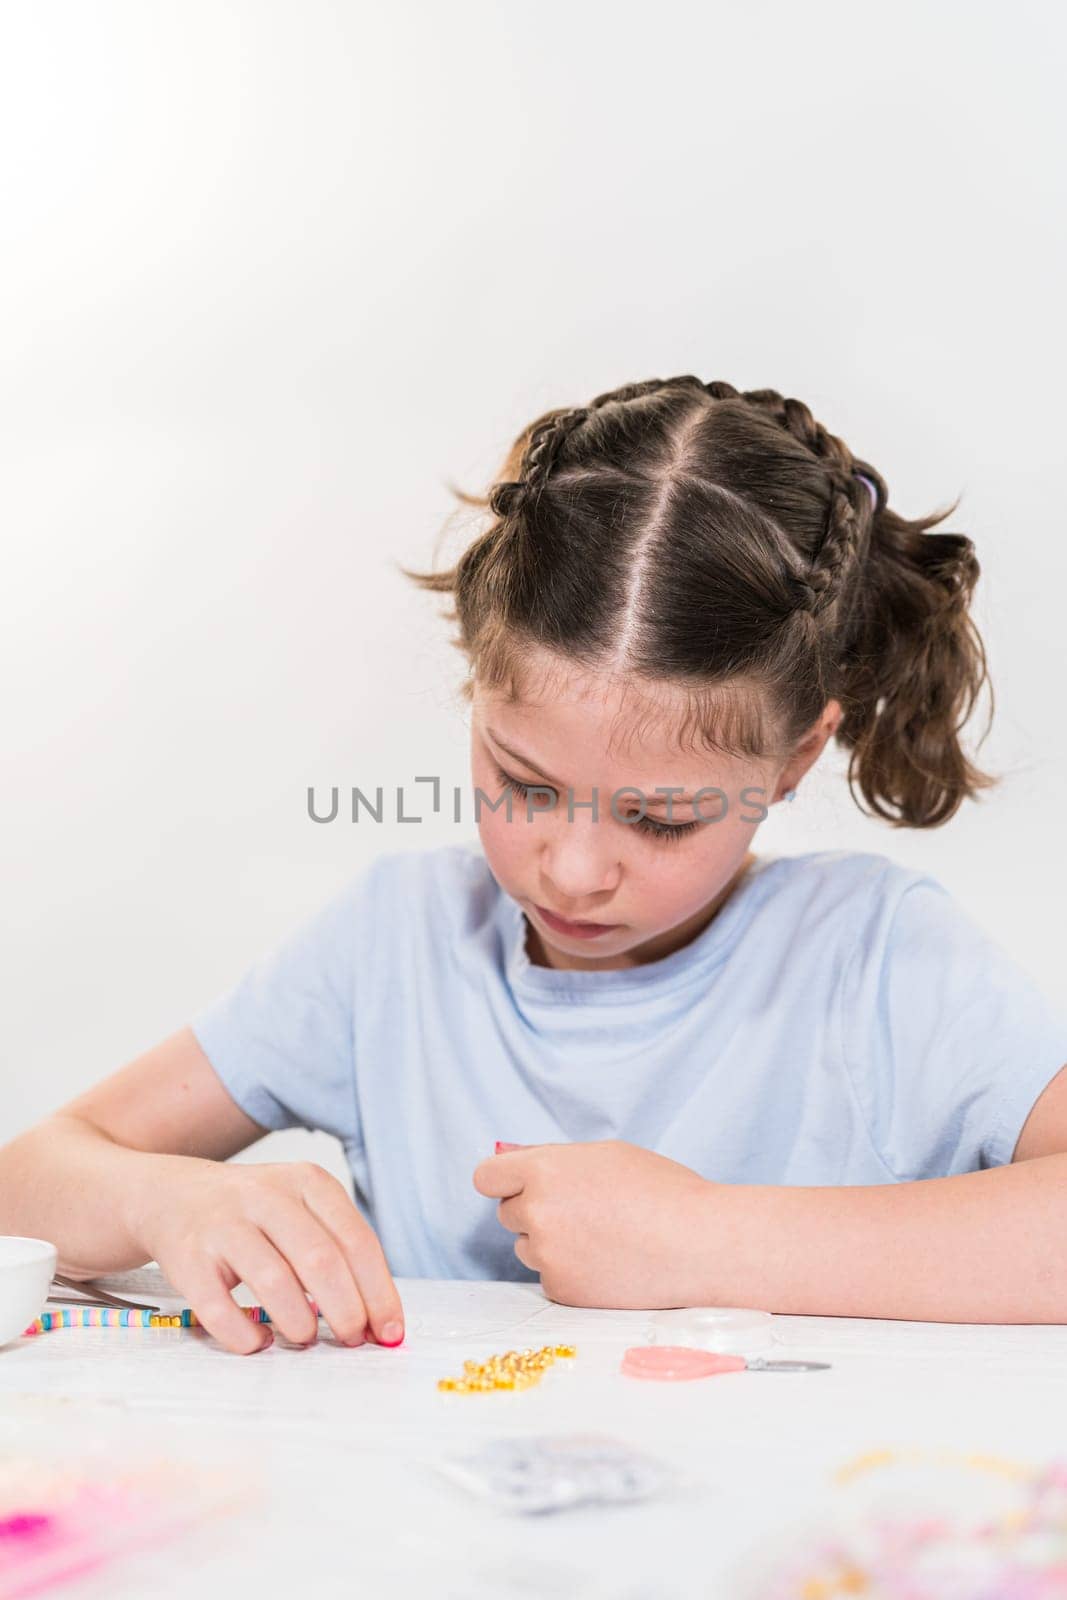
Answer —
577 864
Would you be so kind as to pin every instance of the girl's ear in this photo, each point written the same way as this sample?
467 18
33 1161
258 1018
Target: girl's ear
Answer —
810 748
825 726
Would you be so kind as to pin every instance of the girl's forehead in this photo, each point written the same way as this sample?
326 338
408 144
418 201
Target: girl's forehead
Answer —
586 714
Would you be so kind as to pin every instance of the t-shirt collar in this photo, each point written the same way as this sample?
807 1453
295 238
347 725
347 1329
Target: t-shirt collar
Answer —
679 967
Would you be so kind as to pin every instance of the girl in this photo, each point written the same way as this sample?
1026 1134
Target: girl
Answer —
736 1079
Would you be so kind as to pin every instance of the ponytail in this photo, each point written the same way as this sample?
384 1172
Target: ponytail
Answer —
913 672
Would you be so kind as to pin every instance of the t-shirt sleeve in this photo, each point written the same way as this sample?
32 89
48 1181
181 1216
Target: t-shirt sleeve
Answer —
282 1037
948 1040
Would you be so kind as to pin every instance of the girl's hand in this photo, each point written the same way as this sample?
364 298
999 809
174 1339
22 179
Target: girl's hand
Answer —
280 1228
605 1224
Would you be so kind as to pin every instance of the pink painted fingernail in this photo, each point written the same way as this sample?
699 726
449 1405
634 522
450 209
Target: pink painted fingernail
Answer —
392 1334
502 1148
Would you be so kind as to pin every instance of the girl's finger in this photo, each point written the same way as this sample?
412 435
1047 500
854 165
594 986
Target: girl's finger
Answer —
497 1177
317 1259
264 1264
327 1200
218 1312
524 1252
512 1214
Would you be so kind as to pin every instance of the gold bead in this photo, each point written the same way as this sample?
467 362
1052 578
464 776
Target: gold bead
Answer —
447 1385
565 1350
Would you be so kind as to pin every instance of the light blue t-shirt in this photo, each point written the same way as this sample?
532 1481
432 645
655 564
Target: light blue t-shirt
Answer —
841 1020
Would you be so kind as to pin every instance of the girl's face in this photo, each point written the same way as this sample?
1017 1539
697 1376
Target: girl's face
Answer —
644 885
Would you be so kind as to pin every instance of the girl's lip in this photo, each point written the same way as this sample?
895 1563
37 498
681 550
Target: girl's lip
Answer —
574 930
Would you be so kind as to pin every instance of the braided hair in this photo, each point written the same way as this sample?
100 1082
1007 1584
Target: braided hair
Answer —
723 541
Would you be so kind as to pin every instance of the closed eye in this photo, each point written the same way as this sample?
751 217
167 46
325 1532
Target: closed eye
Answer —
664 832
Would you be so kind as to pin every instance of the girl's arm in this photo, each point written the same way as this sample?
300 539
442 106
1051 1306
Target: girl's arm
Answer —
83 1178
134 1170
978 1247
985 1246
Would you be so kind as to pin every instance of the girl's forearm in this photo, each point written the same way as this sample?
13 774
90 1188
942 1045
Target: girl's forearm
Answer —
987 1246
67 1182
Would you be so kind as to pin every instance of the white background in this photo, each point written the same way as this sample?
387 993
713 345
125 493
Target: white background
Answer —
274 274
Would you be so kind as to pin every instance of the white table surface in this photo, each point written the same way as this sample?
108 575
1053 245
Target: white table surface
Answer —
338 1444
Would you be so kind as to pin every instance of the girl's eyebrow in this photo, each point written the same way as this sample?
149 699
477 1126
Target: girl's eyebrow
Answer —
518 755
651 800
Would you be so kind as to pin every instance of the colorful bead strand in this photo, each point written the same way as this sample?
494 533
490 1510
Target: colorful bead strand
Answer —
113 1317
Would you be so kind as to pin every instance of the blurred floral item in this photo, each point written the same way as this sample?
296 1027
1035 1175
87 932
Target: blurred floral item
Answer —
914 1548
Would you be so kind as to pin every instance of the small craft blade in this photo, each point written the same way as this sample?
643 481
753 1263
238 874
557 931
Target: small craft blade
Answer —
759 1365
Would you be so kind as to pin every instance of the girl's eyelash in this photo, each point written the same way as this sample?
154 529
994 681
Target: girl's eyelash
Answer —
668 832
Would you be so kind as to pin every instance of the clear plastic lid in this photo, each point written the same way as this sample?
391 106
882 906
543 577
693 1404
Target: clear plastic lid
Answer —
731 1330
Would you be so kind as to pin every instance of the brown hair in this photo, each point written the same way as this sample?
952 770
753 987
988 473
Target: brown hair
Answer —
679 532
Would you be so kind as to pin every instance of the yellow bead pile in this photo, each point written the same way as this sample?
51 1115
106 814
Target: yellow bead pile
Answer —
515 1369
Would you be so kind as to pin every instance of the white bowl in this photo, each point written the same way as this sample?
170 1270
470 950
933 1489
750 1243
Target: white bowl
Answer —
26 1269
